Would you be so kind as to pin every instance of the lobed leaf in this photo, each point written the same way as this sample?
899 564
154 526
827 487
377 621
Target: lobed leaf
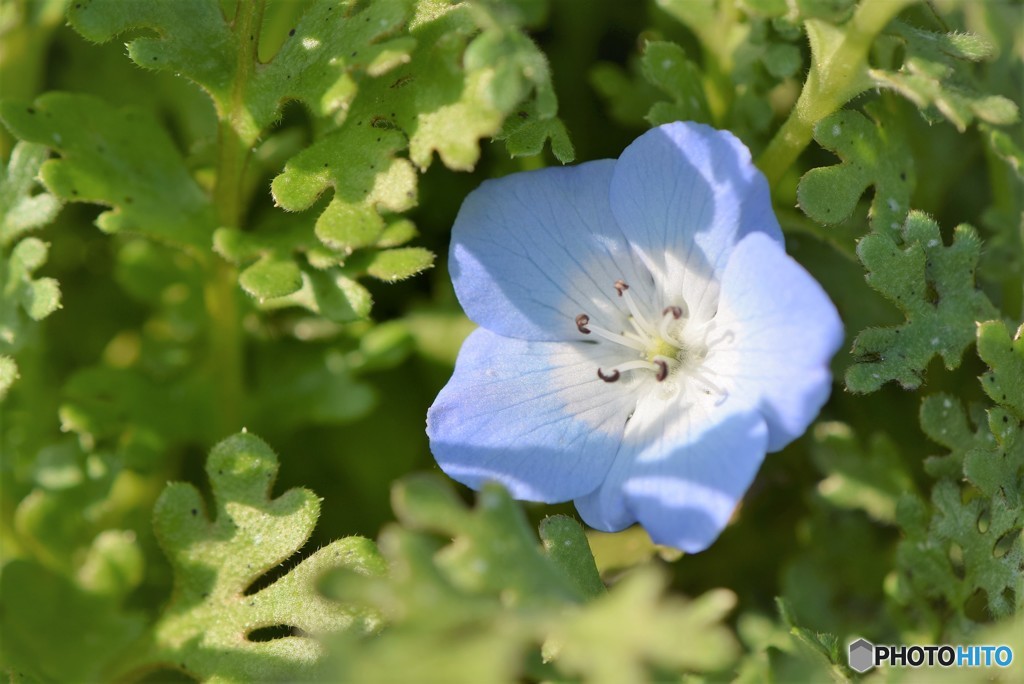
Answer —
1006 149
593 644
39 297
471 595
120 158
934 286
206 630
525 133
871 479
316 64
944 421
934 77
666 66
1004 383
22 207
872 155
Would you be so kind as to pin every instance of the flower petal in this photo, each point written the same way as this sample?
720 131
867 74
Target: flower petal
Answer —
680 473
785 332
531 415
533 250
685 194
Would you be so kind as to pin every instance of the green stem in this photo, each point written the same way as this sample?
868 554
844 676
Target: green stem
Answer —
236 136
838 74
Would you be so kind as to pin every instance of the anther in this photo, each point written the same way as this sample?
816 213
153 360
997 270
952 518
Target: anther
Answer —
639 321
611 377
676 312
581 323
662 370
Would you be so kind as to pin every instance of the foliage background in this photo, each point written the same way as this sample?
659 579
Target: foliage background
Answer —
229 287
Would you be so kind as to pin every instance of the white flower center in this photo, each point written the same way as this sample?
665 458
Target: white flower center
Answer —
670 346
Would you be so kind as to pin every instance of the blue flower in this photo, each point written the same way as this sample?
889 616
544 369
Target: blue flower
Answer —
644 339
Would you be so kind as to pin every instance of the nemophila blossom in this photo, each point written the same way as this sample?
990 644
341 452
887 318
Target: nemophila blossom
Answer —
644 338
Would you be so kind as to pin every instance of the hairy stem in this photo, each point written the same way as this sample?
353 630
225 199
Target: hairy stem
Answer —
838 74
236 135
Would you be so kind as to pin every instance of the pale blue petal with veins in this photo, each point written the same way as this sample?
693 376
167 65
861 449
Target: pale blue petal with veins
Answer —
645 338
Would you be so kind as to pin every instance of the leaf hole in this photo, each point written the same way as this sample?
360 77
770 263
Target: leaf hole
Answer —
984 520
956 560
976 606
278 571
1005 543
273 633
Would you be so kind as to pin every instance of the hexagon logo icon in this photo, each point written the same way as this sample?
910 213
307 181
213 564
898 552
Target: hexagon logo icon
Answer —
862 655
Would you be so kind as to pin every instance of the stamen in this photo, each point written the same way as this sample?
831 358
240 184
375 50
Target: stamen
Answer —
636 365
581 323
640 332
612 377
645 327
662 370
676 312
610 336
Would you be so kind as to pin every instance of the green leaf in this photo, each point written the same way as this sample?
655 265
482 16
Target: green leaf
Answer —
133 413
39 297
370 180
518 68
470 595
458 85
22 208
42 608
120 158
665 65
970 546
1004 384
525 133
871 479
271 277
782 60
330 294
944 421
397 233
1005 147
628 96
657 625
566 545
934 286
934 76
871 155
966 547
216 557
822 645
391 265
491 534
318 63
